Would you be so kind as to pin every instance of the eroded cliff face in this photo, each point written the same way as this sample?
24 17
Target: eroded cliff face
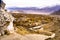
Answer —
2 19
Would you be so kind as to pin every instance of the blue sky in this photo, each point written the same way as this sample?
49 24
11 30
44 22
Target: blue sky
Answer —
31 3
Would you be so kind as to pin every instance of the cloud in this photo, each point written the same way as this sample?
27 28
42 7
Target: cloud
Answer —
31 3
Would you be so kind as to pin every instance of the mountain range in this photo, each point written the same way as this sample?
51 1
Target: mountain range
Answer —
56 13
45 9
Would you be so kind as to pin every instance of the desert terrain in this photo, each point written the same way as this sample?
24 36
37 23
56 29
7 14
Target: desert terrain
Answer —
24 27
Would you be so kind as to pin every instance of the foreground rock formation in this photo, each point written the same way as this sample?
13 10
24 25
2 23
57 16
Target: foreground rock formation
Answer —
4 18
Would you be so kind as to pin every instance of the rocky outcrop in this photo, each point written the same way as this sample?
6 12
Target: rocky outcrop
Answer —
4 17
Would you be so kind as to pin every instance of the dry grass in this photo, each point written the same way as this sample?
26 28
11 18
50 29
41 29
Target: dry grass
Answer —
28 21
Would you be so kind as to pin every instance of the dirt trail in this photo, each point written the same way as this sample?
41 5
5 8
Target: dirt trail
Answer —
16 36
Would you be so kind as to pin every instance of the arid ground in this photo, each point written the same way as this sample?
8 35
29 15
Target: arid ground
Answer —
23 23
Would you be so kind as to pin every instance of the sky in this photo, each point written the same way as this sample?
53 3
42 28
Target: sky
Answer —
31 3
